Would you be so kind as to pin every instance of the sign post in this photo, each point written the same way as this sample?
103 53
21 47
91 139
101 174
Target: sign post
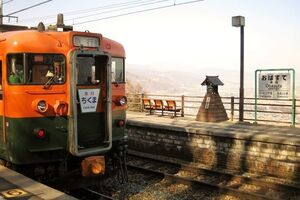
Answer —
275 84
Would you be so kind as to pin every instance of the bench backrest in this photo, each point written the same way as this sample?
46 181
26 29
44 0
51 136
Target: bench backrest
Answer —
171 103
158 103
146 102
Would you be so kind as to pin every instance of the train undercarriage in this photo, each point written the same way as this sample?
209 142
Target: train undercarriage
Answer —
67 174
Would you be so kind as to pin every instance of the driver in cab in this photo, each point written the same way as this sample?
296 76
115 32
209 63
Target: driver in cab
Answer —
54 73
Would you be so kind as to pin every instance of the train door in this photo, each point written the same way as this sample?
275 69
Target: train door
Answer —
1 112
91 109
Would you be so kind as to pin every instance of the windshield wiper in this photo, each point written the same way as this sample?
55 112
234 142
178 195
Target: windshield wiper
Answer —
50 77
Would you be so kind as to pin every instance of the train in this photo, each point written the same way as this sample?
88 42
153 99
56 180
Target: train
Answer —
62 102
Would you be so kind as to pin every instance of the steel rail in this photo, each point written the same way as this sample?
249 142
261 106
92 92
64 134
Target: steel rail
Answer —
103 196
203 171
189 181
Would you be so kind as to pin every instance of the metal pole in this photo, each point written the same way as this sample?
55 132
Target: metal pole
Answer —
1 12
142 102
241 101
232 108
255 95
294 113
293 100
182 106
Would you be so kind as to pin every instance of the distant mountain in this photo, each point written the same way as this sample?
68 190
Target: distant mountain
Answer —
166 82
175 82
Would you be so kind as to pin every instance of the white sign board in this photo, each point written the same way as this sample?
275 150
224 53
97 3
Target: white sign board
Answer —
88 99
274 86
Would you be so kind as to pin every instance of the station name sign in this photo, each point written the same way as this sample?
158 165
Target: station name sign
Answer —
274 85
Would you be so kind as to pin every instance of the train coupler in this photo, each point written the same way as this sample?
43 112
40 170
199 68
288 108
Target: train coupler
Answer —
120 162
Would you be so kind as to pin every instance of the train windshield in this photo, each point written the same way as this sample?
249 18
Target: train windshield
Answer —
29 68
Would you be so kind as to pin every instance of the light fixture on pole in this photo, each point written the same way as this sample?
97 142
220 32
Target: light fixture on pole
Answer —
239 21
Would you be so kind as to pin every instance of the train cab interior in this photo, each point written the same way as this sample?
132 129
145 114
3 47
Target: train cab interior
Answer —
36 68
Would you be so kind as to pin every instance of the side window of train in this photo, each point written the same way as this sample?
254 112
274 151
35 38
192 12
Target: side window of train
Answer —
15 69
117 70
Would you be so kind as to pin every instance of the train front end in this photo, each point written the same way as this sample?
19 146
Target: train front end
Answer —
61 109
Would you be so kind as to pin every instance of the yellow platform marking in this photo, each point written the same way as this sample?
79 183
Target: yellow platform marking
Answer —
13 193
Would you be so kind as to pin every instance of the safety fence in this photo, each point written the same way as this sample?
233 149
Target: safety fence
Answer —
268 110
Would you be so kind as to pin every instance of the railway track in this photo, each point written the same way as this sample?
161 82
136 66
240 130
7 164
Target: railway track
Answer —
89 194
240 186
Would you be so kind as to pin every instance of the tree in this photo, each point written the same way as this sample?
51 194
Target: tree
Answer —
134 93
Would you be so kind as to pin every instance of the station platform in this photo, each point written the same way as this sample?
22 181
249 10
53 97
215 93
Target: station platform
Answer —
16 186
245 130
259 149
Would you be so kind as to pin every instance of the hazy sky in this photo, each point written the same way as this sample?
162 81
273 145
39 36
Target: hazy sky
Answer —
188 37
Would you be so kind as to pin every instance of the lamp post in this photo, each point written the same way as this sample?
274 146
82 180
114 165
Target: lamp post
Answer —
239 21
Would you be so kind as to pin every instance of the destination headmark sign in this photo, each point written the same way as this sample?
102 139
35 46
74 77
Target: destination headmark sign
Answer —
88 99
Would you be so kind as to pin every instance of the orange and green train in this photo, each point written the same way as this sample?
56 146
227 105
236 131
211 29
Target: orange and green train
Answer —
62 100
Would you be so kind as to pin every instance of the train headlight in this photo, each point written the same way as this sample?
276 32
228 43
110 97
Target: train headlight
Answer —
40 106
122 101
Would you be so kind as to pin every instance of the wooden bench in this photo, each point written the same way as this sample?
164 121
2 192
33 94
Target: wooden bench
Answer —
148 105
172 107
159 105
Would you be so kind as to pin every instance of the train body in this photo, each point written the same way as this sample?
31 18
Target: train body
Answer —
62 100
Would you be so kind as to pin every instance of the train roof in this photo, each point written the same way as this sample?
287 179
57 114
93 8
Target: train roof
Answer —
27 40
115 47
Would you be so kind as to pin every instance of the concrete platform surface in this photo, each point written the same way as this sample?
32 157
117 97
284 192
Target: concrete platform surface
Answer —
16 186
245 130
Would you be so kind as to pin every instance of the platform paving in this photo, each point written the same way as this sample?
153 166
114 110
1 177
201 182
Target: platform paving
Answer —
245 130
16 186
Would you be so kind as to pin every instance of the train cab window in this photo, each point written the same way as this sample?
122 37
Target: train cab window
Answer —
36 69
117 70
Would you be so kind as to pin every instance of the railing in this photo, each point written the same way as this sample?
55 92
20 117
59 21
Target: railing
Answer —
268 110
